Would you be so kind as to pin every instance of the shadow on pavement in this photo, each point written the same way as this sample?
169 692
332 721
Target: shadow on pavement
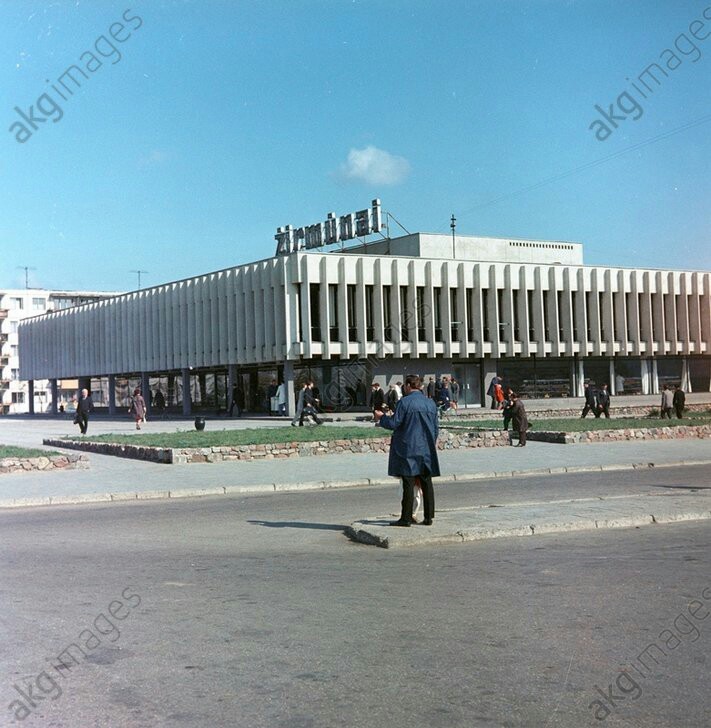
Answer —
298 524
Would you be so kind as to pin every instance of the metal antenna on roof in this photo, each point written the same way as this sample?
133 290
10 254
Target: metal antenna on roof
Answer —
453 225
27 269
138 272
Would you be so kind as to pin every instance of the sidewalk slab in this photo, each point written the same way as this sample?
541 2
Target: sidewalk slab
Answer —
529 519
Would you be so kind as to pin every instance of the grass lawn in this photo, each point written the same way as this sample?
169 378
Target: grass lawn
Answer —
219 438
10 451
578 424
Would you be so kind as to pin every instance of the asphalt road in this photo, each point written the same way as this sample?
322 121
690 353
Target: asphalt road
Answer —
257 611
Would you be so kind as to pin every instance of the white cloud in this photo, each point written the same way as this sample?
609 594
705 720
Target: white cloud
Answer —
375 166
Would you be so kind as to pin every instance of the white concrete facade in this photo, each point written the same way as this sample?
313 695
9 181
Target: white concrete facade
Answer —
311 308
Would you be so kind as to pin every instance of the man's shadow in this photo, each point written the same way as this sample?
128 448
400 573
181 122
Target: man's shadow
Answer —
298 524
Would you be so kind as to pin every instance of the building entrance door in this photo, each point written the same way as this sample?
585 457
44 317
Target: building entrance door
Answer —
469 378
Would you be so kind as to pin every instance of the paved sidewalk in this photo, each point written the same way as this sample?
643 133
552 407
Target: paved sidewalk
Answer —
530 518
111 478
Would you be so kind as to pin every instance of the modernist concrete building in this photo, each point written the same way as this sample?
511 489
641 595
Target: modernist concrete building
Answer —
528 310
15 306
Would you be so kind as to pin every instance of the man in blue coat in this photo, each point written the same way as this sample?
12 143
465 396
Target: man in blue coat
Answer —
413 448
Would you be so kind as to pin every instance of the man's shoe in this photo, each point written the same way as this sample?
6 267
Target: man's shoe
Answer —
400 523
427 522
413 520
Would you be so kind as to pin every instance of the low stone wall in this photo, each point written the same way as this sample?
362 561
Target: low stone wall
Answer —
563 412
447 441
50 462
678 432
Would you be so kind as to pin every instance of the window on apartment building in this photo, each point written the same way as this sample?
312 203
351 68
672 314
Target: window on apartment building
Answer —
39 304
13 327
15 374
18 398
387 313
352 325
18 303
315 310
13 349
333 311
437 296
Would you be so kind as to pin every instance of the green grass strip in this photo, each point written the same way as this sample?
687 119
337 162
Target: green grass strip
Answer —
10 451
226 438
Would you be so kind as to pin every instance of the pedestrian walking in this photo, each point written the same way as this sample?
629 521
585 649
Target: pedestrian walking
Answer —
237 400
281 399
430 388
392 398
413 448
590 402
377 398
679 401
454 389
138 407
519 418
271 397
667 402
508 408
84 408
298 415
310 407
603 402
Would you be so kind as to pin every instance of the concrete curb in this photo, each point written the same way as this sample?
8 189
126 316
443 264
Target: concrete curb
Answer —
120 497
532 519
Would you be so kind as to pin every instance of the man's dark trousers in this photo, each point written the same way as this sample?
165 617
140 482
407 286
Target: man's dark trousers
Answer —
83 422
408 496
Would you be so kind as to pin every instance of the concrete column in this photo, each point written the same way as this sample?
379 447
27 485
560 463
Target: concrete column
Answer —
54 391
187 405
31 395
645 376
112 394
685 378
145 387
289 384
580 378
654 377
611 377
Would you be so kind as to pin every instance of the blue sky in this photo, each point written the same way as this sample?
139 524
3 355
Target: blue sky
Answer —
222 120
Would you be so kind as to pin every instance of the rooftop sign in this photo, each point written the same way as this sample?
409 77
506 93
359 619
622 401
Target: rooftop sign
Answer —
332 230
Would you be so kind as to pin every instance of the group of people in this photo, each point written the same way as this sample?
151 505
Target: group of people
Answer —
597 401
307 405
675 400
85 406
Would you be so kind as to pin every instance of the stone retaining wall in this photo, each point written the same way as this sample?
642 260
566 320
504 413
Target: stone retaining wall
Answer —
679 432
216 454
49 462
561 413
